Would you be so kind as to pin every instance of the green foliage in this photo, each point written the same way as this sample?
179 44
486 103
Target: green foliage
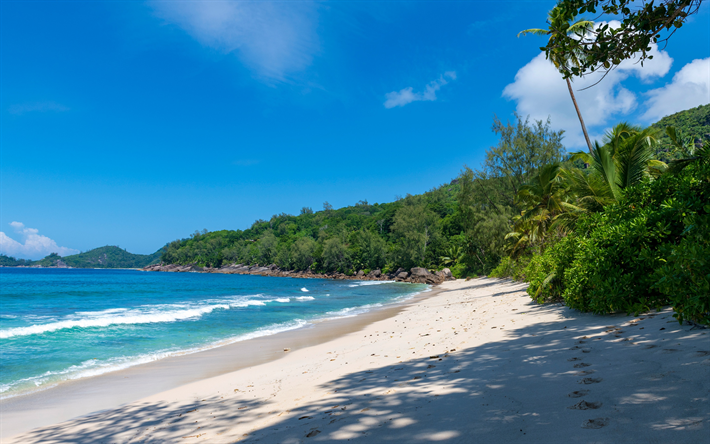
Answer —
9 261
604 47
684 276
103 257
692 125
512 268
362 236
647 250
415 228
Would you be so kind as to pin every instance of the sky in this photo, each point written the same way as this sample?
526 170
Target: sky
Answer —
135 123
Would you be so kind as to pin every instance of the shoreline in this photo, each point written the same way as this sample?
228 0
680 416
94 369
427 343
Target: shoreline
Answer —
471 360
109 390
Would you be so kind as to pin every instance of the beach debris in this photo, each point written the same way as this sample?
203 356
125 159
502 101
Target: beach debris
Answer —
305 417
287 349
596 423
434 357
242 408
584 405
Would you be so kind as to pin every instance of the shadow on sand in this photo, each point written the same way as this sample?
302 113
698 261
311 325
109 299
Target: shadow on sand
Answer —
582 379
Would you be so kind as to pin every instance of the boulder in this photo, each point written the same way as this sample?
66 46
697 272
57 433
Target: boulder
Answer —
447 273
374 274
360 274
402 275
420 272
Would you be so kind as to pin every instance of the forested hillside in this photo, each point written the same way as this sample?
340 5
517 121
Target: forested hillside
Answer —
103 257
527 194
693 125
9 261
460 224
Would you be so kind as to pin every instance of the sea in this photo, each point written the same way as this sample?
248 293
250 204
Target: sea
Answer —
65 324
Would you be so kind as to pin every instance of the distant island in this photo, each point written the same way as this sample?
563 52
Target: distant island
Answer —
103 257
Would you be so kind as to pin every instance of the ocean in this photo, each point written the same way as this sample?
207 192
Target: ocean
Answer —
64 324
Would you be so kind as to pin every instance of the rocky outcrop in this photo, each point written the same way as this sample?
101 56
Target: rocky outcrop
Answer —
418 275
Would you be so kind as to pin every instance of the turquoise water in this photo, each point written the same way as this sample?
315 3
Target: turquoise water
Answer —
60 324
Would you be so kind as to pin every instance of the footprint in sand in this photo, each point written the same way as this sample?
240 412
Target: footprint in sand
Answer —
584 405
578 393
581 364
702 353
596 423
574 359
650 346
590 380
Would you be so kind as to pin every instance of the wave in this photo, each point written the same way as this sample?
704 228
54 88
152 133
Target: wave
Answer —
94 367
305 298
365 283
283 299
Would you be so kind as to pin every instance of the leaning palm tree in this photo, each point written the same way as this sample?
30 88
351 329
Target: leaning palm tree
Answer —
561 27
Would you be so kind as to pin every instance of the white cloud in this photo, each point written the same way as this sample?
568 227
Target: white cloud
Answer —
35 245
540 91
273 39
42 107
689 88
406 95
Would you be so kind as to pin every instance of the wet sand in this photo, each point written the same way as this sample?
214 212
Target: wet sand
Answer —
476 362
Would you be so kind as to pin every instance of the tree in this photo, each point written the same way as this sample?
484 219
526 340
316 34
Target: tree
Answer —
267 247
302 253
335 255
327 207
559 26
641 24
522 150
371 250
415 228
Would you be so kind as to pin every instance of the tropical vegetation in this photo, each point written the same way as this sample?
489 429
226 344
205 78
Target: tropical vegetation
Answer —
102 257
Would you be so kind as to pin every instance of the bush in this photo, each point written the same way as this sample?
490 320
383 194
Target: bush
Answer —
511 268
684 276
546 272
649 250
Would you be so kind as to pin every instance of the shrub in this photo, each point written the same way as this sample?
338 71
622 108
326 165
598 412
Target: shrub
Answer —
648 250
512 268
684 276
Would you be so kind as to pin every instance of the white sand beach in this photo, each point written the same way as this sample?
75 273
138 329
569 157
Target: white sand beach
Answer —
477 361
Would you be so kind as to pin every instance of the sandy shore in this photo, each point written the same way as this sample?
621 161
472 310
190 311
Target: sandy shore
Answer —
476 362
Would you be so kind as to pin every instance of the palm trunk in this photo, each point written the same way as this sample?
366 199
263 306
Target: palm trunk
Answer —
584 128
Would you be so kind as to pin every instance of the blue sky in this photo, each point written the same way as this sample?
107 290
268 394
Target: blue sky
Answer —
136 123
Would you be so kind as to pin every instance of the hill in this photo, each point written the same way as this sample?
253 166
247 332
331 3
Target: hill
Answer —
693 123
9 261
102 257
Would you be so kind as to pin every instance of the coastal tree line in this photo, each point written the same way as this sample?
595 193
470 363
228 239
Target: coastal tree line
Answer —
622 226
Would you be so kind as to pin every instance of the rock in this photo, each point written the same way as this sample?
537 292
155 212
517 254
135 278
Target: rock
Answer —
420 272
360 274
402 275
447 273
374 274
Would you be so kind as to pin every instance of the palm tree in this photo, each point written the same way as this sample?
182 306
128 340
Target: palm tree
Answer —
543 200
559 27
625 158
